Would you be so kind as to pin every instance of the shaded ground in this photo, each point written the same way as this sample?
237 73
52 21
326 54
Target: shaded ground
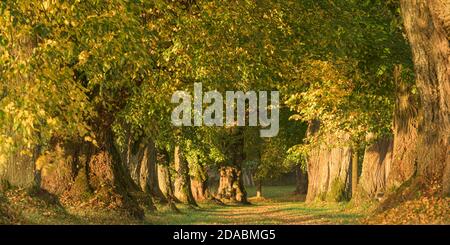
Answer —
279 206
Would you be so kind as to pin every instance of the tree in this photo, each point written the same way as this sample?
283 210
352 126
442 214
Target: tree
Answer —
427 28
268 158
182 183
87 59
376 166
347 82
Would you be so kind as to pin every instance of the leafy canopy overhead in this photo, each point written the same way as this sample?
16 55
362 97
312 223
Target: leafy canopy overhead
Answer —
77 68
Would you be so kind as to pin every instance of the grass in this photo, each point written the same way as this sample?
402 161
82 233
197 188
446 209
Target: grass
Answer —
279 206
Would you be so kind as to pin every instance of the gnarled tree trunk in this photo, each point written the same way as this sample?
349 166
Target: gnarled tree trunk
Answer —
200 184
231 184
80 171
231 187
404 152
200 189
427 25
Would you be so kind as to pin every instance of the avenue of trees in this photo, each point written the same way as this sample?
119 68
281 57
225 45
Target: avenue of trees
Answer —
85 90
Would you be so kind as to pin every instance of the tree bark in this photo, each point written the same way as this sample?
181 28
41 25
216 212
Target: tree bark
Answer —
200 185
329 169
231 184
375 169
404 153
427 25
259 189
182 183
165 180
80 171
139 157
19 170
354 172
231 187
200 189
148 180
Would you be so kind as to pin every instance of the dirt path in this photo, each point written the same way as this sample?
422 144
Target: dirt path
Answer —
279 207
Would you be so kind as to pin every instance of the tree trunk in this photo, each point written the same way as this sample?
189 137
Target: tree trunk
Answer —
231 188
165 180
354 172
57 169
328 169
231 184
80 171
19 170
301 185
259 189
139 157
183 190
427 25
148 179
200 184
200 189
375 169
404 153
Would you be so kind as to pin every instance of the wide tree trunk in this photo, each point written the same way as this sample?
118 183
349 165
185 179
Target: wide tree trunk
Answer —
200 184
231 184
329 169
182 183
111 181
200 189
19 170
427 25
79 171
153 173
375 169
404 152
231 187
164 180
